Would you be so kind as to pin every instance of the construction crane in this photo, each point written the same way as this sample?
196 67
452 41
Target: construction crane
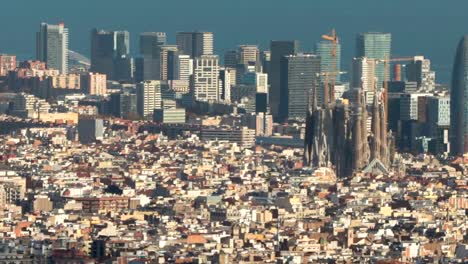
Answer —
329 94
386 62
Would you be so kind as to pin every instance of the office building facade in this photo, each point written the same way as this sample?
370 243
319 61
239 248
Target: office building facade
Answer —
7 64
298 79
148 98
324 49
195 44
149 40
52 46
375 45
278 49
205 81
459 100
110 54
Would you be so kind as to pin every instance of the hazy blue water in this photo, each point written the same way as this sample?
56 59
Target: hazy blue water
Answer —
428 27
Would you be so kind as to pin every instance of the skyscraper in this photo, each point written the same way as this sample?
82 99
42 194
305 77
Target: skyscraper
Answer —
148 98
195 44
249 55
279 49
298 78
225 84
164 57
363 77
419 71
375 45
230 58
183 67
324 49
205 83
459 100
110 54
52 46
148 40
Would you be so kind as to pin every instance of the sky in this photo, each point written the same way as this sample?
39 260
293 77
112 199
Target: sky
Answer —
419 27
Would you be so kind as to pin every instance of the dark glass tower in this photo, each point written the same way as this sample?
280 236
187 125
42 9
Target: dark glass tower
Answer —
459 100
279 49
299 74
110 54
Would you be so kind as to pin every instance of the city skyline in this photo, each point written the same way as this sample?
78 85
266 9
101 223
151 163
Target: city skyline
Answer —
249 132
410 24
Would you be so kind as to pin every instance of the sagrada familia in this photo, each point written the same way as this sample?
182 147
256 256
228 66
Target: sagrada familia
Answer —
337 135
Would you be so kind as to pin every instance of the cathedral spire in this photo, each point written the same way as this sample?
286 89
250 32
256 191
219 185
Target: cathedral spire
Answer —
376 129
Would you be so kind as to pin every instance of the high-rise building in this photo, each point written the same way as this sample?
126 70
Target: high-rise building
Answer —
195 44
159 65
324 50
110 54
249 55
459 100
298 78
419 71
375 45
90 129
148 98
259 79
165 65
123 105
364 77
205 80
7 63
438 122
94 83
230 59
149 40
29 106
278 49
52 46
265 58
225 84
409 106
183 67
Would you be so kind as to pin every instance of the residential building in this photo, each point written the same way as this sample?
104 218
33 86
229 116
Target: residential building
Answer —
94 83
7 64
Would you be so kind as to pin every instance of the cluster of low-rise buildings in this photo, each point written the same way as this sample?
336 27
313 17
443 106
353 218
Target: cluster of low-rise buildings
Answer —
146 198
